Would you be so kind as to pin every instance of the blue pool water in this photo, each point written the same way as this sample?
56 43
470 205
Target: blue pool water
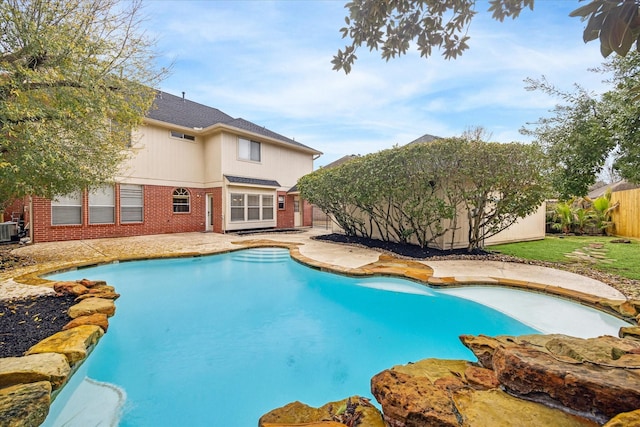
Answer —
220 340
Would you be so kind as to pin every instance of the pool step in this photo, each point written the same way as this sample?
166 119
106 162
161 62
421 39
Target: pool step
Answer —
266 255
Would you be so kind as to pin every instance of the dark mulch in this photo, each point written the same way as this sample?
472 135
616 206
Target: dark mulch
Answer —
26 322
9 260
405 250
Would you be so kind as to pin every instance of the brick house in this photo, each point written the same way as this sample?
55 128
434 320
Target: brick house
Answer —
192 168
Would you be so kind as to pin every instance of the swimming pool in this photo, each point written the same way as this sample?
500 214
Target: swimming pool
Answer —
220 340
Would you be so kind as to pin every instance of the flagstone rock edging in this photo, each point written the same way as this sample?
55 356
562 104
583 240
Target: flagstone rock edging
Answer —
28 384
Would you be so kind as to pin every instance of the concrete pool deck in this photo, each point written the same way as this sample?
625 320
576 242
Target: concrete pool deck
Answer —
55 256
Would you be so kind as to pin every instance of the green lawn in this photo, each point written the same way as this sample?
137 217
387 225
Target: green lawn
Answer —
622 259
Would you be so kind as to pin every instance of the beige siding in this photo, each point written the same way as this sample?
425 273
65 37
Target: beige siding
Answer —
277 162
159 159
213 161
531 227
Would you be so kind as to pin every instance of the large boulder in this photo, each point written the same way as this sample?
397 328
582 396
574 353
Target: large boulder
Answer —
457 393
52 367
91 306
98 319
352 411
25 404
598 377
602 391
72 343
70 288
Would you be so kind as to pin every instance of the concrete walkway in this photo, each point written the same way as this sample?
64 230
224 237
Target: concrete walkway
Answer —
51 257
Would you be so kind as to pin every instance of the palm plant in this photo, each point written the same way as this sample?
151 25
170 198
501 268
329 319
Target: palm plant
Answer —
564 217
602 211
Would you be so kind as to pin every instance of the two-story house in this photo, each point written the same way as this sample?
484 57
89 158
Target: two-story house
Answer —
192 168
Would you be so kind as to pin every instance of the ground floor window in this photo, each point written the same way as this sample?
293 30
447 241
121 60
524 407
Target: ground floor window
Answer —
181 202
131 203
102 205
251 207
67 210
267 207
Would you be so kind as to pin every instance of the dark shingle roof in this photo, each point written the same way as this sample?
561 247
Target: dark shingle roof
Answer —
182 112
252 181
341 160
424 138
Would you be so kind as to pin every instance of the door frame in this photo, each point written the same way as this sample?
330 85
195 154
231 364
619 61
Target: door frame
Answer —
208 219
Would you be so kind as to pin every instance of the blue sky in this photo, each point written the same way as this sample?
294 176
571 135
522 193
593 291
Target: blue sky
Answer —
269 62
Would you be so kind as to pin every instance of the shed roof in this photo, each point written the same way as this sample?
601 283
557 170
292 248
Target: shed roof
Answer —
252 181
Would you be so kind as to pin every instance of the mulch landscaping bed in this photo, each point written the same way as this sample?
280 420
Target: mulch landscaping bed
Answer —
24 323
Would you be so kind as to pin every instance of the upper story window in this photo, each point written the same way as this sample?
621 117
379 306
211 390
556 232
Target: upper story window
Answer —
181 200
180 135
67 209
248 150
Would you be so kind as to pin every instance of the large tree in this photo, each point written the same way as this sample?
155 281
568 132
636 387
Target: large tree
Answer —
75 77
577 138
586 130
391 26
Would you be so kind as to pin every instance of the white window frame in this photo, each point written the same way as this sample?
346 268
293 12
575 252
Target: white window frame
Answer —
281 202
249 150
131 203
181 198
102 205
267 207
237 205
67 209
180 135
249 204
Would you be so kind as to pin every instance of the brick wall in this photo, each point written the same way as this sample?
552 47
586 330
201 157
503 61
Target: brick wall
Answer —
159 217
285 216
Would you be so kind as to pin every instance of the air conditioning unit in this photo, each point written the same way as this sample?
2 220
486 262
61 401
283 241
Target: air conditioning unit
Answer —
8 231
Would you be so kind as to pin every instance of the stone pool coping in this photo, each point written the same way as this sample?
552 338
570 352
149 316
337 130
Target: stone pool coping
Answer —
359 262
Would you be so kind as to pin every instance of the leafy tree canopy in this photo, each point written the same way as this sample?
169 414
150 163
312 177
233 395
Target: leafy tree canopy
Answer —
391 26
585 130
75 78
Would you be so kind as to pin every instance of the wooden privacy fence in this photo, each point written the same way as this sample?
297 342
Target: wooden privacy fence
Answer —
627 216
